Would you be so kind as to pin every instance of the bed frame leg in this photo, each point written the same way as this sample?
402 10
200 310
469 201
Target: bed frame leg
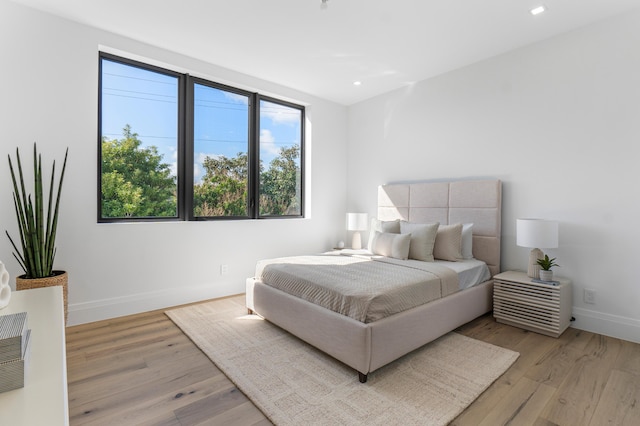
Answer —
362 377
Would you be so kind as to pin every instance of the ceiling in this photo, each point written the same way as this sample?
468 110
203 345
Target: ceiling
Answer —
323 50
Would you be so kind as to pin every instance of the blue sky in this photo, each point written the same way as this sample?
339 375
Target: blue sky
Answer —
147 101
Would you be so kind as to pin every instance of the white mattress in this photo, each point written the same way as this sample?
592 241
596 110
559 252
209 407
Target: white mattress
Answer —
470 271
368 287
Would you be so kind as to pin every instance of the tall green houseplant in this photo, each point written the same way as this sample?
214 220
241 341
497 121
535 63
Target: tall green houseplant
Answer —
37 230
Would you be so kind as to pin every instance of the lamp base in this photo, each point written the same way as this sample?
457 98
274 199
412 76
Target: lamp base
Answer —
534 268
356 241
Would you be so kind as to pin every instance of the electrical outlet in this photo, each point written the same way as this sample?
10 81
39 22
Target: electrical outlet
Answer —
224 269
589 296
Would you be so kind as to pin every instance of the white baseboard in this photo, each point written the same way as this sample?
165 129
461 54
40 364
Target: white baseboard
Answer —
607 324
80 313
97 310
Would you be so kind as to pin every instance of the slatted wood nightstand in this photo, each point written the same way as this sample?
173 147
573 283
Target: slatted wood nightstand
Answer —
540 307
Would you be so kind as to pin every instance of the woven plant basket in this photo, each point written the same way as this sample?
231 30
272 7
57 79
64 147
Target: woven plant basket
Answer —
58 278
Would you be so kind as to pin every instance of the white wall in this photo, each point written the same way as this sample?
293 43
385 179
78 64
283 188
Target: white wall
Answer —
573 101
559 123
49 88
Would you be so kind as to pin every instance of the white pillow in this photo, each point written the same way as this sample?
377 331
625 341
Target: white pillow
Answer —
391 245
423 237
448 244
467 240
391 226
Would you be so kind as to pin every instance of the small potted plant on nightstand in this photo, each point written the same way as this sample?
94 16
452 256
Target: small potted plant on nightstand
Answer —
546 274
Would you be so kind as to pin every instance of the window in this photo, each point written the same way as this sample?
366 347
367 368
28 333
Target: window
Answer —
138 141
221 123
176 147
280 153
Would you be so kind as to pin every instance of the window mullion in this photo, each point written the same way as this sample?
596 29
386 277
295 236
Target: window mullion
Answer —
186 151
254 158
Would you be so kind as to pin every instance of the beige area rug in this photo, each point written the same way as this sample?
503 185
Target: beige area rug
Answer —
296 384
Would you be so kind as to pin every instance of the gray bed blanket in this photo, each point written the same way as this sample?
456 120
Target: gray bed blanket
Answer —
361 287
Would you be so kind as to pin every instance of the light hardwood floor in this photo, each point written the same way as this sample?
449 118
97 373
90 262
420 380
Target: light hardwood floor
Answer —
142 370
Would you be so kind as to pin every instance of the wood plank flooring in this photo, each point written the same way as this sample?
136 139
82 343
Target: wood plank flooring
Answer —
142 370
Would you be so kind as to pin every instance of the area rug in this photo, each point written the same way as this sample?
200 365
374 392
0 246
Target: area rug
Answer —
293 383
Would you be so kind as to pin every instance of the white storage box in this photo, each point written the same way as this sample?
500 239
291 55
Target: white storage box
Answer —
14 350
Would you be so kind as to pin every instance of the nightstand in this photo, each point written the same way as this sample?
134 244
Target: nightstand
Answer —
521 302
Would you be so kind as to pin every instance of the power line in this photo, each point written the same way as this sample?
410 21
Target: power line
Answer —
230 141
140 93
238 107
221 107
144 79
142 136
141 98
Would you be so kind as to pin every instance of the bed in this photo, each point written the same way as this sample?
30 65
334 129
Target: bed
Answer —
368 345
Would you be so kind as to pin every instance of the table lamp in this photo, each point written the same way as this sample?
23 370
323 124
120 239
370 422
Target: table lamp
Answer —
536 234
357 222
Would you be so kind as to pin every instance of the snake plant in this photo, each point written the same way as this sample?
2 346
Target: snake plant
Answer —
546 264
37 230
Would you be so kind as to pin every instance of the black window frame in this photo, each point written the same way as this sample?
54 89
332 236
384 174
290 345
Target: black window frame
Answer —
185 148
257 147
190 154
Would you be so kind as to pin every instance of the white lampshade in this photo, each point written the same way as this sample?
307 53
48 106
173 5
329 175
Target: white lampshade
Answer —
537 233
357 222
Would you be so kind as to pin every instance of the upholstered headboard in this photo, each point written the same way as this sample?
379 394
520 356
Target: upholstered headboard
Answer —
477 201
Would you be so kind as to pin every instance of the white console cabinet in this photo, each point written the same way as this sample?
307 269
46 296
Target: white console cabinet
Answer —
43 400
539 307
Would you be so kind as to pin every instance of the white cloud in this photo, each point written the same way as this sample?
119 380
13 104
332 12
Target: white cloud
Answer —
198 170
267 142
173 165
240 99
266 136
280 114
201 156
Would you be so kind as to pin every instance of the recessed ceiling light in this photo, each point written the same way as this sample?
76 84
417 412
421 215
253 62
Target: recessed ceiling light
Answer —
357 83
538 10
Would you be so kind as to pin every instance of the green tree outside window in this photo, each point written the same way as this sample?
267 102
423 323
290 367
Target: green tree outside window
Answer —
135 180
